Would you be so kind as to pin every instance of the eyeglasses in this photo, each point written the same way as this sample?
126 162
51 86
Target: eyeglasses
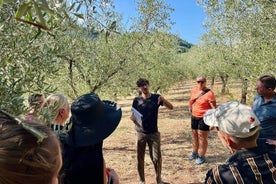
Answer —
201 82
38 134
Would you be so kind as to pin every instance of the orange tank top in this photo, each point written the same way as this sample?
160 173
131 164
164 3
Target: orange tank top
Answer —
202 103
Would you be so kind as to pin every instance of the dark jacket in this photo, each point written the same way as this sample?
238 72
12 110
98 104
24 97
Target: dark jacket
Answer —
82 164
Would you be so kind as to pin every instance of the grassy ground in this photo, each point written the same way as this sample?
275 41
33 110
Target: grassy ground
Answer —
174 125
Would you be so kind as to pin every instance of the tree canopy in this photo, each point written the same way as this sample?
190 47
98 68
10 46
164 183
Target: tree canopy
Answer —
79 47
75 47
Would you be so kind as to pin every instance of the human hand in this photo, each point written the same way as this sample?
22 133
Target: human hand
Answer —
113 176
132 117
271 142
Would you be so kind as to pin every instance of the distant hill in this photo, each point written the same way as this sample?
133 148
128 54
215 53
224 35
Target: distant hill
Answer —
184 46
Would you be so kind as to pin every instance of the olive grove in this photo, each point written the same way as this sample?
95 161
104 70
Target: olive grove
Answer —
78 47
75 47
239 43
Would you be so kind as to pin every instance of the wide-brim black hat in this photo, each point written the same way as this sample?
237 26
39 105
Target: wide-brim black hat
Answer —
92 120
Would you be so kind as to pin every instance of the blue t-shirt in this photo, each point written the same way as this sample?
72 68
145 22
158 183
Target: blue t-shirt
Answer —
149 109
266 113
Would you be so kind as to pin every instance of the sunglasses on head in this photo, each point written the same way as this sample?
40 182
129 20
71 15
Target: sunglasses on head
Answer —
37 133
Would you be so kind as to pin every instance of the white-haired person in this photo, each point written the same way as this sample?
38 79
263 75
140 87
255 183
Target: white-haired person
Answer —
55 111
238 128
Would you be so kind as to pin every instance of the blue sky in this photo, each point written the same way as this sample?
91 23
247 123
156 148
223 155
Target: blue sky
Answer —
187 15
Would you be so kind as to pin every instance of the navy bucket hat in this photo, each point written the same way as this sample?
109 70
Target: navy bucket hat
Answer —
92 120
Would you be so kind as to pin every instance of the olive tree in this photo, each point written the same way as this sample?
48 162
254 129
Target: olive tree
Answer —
244 32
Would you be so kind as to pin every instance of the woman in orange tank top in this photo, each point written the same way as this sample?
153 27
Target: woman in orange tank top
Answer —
201 99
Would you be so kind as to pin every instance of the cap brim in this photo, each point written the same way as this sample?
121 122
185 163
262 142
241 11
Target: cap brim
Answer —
209 118
97 131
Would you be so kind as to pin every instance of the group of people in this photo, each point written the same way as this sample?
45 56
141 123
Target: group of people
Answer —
248 132
41 149
69 152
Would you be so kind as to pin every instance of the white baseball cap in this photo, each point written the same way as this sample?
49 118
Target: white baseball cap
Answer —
233 118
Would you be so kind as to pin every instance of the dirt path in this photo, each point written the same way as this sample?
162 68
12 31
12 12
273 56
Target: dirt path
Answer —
174 125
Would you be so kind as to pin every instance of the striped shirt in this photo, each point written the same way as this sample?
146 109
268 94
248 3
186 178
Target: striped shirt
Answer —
251 166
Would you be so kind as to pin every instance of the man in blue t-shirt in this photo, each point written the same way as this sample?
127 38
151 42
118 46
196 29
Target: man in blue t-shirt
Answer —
264 106
147 105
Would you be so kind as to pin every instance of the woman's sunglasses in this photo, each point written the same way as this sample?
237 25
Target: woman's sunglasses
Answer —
201 82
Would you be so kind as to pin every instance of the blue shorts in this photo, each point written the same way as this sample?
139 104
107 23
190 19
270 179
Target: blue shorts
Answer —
198 124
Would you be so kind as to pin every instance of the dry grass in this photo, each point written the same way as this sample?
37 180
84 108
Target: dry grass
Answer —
174 125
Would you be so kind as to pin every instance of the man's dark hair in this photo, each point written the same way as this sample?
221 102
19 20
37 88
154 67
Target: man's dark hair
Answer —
33 98
141 82
268 81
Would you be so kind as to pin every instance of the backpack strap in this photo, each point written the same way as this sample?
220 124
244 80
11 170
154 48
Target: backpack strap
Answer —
201 94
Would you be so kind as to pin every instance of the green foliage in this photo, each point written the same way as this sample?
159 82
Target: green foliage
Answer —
41 14
111 68
240 42
153 16
79 54
110 65
24 64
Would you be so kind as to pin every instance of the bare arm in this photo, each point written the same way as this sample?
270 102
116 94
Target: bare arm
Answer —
105 177
213 104
132 117
165 102
112 175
